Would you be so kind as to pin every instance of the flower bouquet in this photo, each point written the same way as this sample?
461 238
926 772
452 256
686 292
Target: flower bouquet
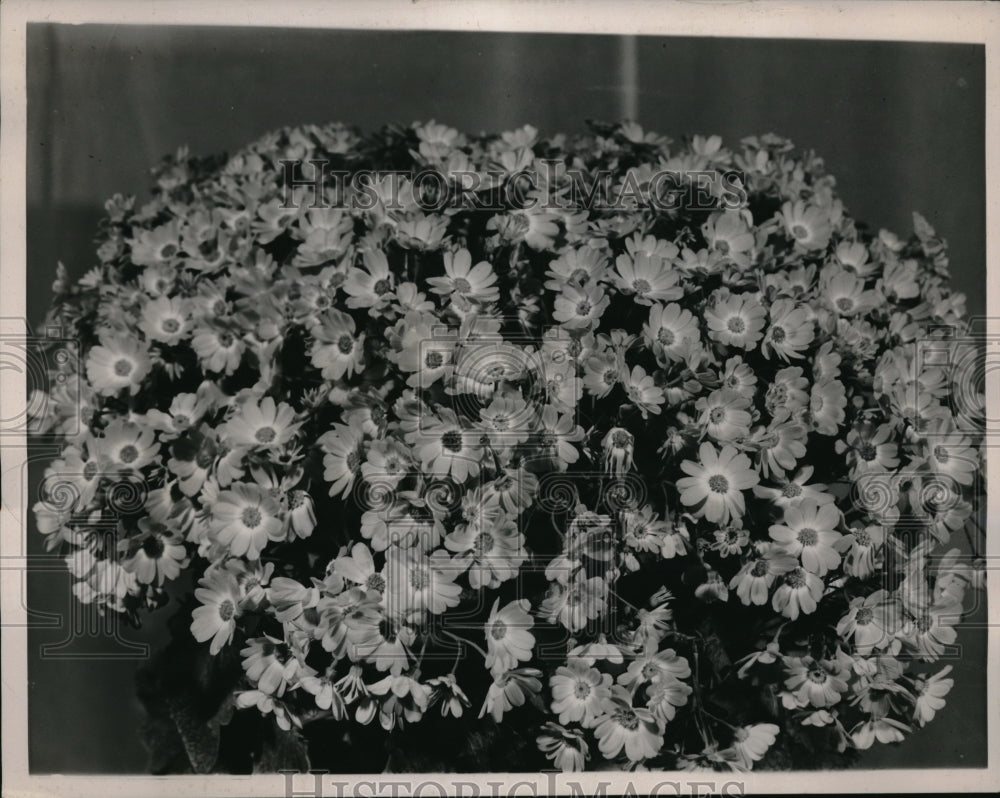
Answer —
511 453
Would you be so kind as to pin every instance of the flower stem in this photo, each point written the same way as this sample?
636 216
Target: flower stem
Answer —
458 639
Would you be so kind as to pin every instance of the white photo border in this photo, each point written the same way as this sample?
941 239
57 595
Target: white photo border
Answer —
943 22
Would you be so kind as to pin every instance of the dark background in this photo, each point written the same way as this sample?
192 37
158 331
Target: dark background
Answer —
902 126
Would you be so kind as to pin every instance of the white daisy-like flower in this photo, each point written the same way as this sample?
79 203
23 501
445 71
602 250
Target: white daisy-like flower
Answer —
724 415
566 748
623 726
359 567
215 619
245 519
809 532
125 447
668 331
728 233
344 454
578 692
647 278
492 549
218 348
337 350
790 331
579 307
476 283
165 320
263 425
584 266
643 392
372 287
509 640
714 485
447 447
665 697
511 689
930 692
808 225
119 362
575 603
418 583
845 293
752 742
156 555
737 320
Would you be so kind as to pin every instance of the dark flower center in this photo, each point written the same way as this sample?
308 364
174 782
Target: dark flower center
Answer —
387 630
345 344
736 325
795 579
170 325
123 367
718 483
626 718
128 454
226 610
251 517
808 537
418 578
484 544
153 547
265 434
777 334
452 440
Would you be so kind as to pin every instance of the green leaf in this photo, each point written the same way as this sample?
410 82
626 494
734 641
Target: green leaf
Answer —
201 739
283 751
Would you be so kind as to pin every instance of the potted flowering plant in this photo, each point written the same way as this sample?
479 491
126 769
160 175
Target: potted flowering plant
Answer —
603 452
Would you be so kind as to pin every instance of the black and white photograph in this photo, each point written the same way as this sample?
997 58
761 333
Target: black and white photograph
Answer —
502 398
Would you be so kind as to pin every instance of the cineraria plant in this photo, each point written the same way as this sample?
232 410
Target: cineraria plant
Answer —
545 435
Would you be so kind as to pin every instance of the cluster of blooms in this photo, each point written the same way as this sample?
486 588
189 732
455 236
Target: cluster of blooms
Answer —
593 469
